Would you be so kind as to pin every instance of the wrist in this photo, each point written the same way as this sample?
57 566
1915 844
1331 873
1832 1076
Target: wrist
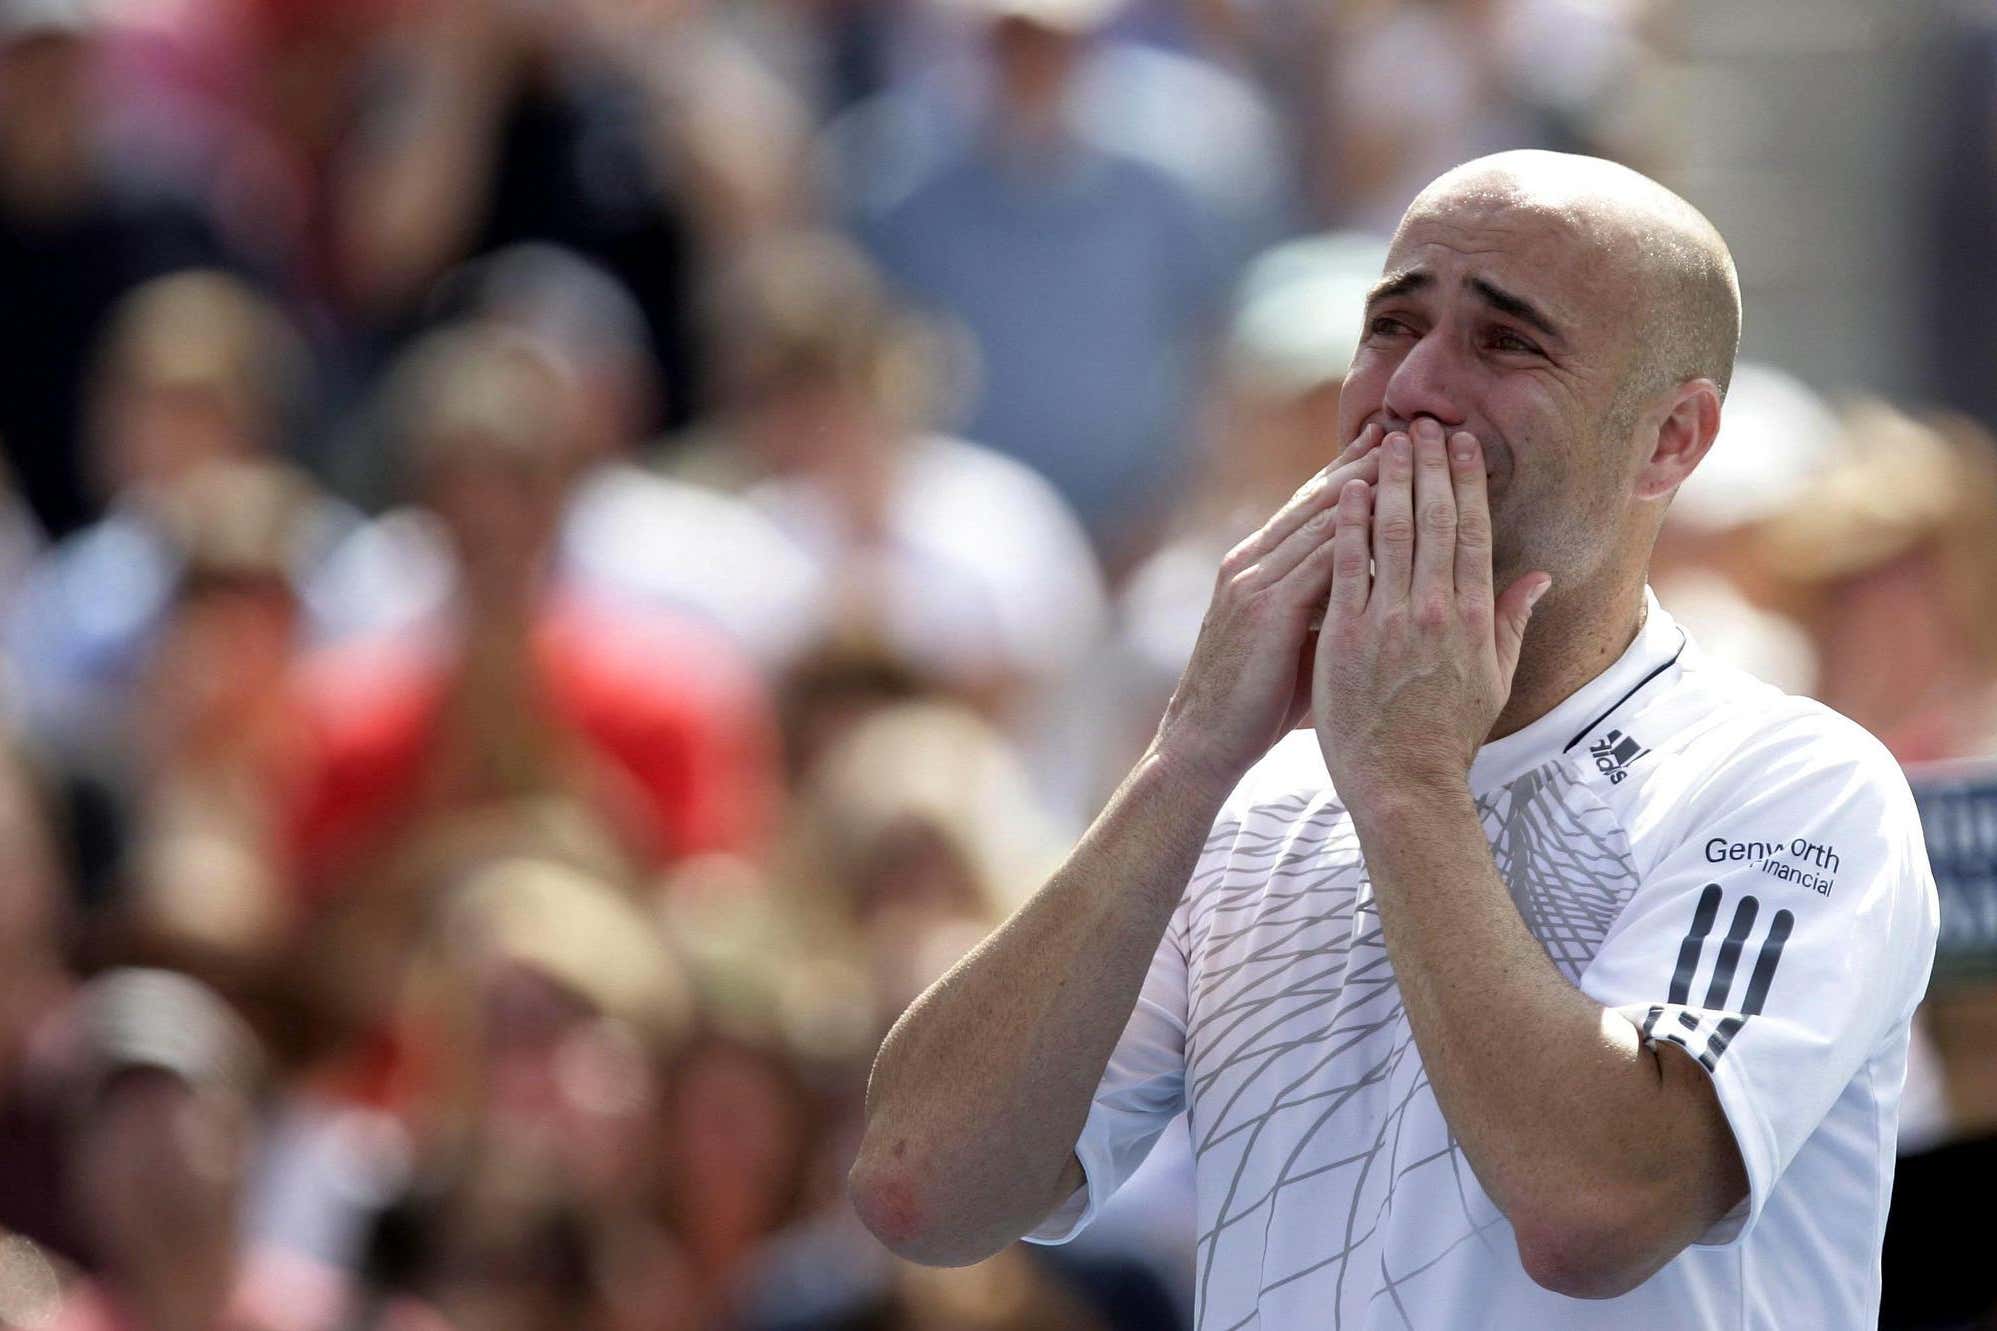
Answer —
1193 781
1404 791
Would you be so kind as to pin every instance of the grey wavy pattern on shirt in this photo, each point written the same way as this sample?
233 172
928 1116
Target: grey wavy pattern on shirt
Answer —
1287 957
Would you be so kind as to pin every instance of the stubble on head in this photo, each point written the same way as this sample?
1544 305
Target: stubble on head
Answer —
1665 275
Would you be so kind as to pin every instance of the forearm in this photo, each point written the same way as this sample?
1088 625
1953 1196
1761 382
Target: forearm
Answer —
1576 1128
982 1087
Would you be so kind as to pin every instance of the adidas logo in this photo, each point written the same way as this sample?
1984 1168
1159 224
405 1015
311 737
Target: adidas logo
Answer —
1614 752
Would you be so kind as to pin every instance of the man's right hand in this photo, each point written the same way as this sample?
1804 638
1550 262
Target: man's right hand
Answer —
1248 682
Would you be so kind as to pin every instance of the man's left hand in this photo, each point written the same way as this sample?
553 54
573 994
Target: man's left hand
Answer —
1416 656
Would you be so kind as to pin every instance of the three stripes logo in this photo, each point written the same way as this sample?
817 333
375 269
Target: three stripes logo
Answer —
1689 1029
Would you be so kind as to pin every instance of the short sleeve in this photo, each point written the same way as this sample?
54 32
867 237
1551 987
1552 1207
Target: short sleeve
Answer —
1143 1088
1782 941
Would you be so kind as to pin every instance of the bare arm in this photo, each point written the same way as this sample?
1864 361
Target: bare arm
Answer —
413 188
982 1087
1607 1156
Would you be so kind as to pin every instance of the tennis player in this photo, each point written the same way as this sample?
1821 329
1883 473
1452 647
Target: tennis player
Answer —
1555 975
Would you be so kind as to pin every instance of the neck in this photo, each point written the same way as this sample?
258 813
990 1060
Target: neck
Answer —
1572 639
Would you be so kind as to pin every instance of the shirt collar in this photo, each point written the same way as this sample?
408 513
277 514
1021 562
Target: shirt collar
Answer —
1657 645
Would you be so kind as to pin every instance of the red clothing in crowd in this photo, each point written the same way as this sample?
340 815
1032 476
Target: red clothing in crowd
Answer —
675 726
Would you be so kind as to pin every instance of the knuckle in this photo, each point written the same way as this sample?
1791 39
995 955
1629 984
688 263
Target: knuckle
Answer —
1397 529
1473 531
1437 517
1431 611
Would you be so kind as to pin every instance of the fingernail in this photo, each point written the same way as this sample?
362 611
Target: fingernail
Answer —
1466 447
1532 597
1398 447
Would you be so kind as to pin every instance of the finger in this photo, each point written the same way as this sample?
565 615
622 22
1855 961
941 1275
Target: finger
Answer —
1311 535
1319 493
1514 613
1394 523
1434 578
1352 554
1473 519
1307 526
1300 591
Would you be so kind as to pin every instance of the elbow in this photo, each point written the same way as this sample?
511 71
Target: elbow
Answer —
905 1217
1591 1252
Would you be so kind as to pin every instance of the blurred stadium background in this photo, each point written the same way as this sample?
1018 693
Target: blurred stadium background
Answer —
560 559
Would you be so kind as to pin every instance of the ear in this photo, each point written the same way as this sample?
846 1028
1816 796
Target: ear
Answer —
1680 438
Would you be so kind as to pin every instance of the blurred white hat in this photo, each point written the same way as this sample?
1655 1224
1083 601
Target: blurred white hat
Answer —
22 19
1077 16
1298 310
1776 434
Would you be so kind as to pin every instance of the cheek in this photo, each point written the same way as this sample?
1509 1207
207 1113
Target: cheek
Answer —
1362 394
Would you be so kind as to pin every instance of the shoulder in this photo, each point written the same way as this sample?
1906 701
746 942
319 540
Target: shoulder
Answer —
1721 734
1741 774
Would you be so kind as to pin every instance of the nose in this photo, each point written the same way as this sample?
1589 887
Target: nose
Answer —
1427 382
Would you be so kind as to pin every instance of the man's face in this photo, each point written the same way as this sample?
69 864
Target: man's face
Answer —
1504 321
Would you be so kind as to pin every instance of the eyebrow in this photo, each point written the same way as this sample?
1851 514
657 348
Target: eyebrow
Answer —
1517 306
1499 299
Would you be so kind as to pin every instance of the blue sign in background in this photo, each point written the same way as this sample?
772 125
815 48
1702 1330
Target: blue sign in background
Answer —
1958 804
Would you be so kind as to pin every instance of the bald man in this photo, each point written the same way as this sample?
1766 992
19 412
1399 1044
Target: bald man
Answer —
1554 975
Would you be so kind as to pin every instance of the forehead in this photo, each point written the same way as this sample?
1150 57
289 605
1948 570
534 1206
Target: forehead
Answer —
1565 262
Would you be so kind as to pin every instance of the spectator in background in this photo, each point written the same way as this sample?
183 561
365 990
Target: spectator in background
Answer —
76 233
1084 276
627 534
195 370
923 827
956 560
162 1132
533 689
217 740
618 131
1888 567
539 1017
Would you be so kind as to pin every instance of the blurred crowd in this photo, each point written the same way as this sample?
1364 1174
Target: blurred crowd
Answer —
560 560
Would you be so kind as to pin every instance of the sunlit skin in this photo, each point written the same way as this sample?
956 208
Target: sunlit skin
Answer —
1537 398
1516 317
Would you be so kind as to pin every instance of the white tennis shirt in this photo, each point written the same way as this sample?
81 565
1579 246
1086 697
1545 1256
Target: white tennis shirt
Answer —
1737 871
